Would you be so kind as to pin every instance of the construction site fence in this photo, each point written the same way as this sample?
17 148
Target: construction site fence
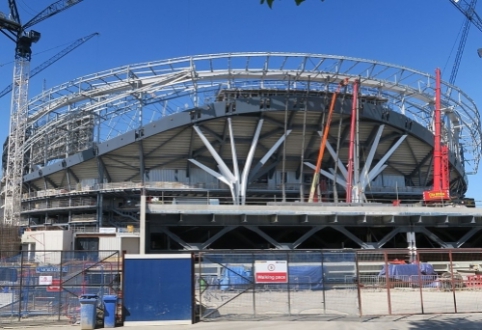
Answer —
45 287
267 284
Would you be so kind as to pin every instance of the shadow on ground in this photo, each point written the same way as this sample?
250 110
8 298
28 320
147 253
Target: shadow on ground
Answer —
459 323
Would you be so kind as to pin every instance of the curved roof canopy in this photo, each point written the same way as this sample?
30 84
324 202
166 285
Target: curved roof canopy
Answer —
113 102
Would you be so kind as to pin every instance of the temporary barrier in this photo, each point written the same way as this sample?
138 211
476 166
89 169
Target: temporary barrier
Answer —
158 289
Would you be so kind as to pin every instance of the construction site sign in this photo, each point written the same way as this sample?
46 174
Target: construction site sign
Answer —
271 271
45 280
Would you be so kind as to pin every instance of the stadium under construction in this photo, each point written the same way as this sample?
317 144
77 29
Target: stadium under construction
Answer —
251 151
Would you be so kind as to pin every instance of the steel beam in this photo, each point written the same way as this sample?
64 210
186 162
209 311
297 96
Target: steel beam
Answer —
218 235
355 239
306 235
268 238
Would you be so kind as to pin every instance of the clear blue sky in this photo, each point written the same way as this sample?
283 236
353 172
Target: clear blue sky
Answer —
420 34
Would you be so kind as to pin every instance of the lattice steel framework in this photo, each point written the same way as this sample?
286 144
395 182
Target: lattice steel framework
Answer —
122 99
16 138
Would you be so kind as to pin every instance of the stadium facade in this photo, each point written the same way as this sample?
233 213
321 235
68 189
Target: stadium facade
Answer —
218 152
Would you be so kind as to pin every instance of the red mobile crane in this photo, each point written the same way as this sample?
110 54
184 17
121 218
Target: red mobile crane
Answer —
440 189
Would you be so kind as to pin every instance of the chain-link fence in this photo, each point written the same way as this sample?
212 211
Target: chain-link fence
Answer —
247 285
44 287
428 281
261 284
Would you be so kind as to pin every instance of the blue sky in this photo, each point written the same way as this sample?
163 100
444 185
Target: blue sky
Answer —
420 34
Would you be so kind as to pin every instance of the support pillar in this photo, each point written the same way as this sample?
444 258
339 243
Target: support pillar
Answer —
412 246
142 225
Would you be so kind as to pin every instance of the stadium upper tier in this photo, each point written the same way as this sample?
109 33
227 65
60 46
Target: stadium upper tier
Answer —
207 113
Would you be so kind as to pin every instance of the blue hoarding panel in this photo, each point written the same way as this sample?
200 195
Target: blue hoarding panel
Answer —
158 289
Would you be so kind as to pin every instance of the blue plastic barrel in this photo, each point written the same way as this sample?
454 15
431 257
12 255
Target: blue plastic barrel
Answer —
110 305
88 311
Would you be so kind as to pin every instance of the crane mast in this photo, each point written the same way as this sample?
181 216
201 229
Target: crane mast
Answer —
18 123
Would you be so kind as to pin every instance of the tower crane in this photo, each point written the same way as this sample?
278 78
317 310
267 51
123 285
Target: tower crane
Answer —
468 9
23 39
52 60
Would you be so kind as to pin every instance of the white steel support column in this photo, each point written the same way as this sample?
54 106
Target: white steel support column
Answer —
371 154
333 154
234 156
142 225
366 175
237 184
412 246
270 152
223 168
249 161
381 164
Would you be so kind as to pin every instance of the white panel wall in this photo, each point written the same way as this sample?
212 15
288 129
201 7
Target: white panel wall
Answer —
49 240
130 245
109 243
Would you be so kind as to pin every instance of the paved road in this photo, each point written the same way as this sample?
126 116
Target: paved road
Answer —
425 322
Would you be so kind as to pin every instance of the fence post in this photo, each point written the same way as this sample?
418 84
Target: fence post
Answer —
288 259
387 280
60 285
200 272
420 282
323 281
452 280
358 285
254 283
20 292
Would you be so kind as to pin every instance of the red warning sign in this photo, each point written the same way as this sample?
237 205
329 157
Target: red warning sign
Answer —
271 271
56 286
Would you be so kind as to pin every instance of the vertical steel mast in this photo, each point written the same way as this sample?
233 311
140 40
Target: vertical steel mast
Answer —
16 139
351 149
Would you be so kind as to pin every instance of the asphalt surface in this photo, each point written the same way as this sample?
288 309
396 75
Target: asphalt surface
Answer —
426 322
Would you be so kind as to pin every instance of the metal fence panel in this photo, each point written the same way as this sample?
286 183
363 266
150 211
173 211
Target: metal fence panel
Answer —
239 285
465 280
419 282
44 287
